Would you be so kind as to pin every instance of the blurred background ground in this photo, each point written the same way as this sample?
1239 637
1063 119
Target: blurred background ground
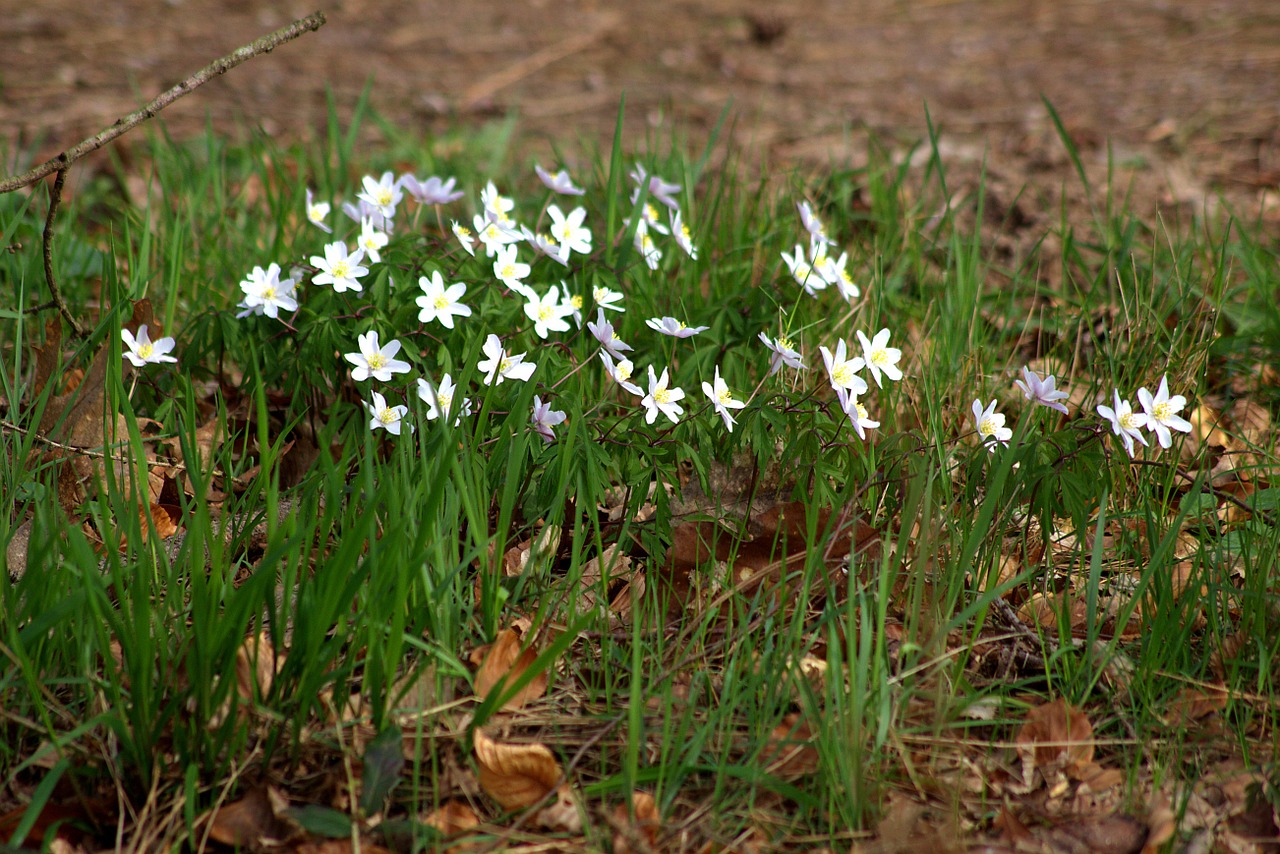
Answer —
1183 96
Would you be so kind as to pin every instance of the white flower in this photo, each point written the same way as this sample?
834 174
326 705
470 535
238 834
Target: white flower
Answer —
465 237
496 205
834 273
386 417
573 301
544 418
544 244
494 235
784 353
501 366
383 193
621 373
1125 423
439 399
661 398
440 303
990 425
1162 412
857 413
558 183
658 188
376 361
569 231
802 271
606 298
143 351
338 268
510 271
316 212
547 314
812 224
432 191
844 372
683 238
1042 390
264 293
880 356
674 328
649 217
645 246
722 399
603 331
365 210
371 240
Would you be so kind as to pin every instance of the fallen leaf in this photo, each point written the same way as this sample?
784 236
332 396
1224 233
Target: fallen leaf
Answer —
253 821
636 826
452 818
504 660
515 775
790 751
564 813
1056 738
256 667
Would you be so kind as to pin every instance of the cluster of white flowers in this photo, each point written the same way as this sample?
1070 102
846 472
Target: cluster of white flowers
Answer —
1159 415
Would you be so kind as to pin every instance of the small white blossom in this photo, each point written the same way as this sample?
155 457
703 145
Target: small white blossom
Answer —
265 293
382 193
573 301
1125 423
645 246
880 357
1162 412
316 212
722 399
374 360
783 353
495 204
843 371
803 272
386 417
1041 390
544 244
141 350
371 240
661 398
465 237
338 268
440 303
510 271
674 328
501 366
608 338
432 191
544 418
990 425
494 235
568 230
558 183
621 373
606 298
680 232
857 413
812 224
439 399
658 188
548 314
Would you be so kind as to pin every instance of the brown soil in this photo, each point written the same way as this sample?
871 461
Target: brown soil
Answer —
1186 94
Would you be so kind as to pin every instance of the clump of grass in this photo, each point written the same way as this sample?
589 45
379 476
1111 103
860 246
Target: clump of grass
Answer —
885 612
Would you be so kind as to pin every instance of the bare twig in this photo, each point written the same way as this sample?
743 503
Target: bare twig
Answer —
266 44
55 198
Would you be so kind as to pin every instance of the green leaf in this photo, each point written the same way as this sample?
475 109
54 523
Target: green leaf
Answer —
383 765
321 821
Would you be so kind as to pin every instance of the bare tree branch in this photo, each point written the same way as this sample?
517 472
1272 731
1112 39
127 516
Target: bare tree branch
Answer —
266 44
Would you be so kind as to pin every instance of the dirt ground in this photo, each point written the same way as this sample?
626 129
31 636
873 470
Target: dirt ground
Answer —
1187 94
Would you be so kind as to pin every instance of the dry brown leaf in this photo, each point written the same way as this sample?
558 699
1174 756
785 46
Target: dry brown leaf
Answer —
515 775
636 827
1194 703
452 818
563 813
256 667
339 846
790 751
252 822
1057 738
504 660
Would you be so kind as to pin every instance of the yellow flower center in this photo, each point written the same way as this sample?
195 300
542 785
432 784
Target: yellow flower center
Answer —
544 312
387 415
662 396
1162 411
650 213
146 350
988 426
341 270
1126 421
504 365
464 233
862 412
624 370
879 356
784 343
508 272
725 397
384 197
842 374
441 302
377 360
575 301
268 293
445 401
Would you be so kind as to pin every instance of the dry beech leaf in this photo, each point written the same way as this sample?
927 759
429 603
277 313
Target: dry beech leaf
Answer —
1196 703
452 818
790 751
563 813
504 660
253 821
638 834
1056 738
256 667
515 775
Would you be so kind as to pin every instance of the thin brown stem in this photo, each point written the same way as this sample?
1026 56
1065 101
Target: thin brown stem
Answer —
55 199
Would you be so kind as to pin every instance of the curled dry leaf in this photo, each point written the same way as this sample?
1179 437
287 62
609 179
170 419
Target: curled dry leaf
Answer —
636 828
1056 738
515 775
503 661
452 818
256 667
563 813
255 821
